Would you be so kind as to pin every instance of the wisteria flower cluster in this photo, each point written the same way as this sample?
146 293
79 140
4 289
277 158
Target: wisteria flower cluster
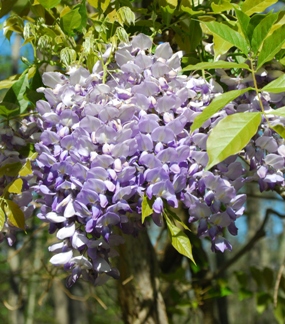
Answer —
106 146
15 136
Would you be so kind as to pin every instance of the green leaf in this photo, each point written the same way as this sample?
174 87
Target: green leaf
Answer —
217 104
26 169
49 4
99 4
16 94
14 214
216 65
122 34
71 21
146 208
225 291
268 277
241 278
186 6
261 31
194 34
68 56
228 34
253 6
173 217
83 13
8 109
11 169
171 3
243 21
223 5
277 112
16 186
279 129
6 84
244 293
271 46
7 6
180 240
126 16
14 23
231 135
2 218
279 311
254 21
221 46
263 299
276 86
257 276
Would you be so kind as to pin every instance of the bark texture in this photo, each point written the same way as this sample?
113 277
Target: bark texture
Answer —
138 289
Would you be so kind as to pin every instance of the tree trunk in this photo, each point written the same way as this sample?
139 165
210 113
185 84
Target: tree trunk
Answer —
138 289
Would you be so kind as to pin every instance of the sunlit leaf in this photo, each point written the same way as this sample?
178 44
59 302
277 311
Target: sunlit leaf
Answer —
83 13
243 21
188 6
231 135
173 217
277 112
279 129
224 5
171 3
14 214
271 46
14 23
217 104
125 16
26 169
48 4
216 65
71 21
16 94
261 30
275 86
16 186
122 34
221 46
253 6
228 34
6 84
99 4
67 56
180 240
146 208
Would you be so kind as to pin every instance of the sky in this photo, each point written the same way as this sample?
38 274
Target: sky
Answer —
5 47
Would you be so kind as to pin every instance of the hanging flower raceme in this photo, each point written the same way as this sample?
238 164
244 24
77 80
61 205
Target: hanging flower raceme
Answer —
106 146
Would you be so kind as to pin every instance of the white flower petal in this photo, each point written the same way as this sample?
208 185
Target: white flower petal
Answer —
66 231
61 258
53 217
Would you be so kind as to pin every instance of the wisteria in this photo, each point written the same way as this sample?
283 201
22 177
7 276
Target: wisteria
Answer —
15 137
104 147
